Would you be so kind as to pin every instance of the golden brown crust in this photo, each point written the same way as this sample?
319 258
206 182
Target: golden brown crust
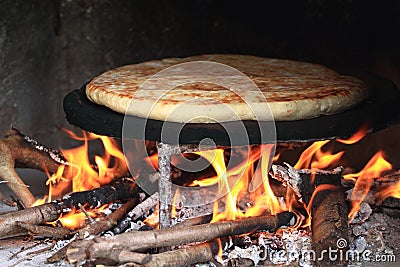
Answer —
293 90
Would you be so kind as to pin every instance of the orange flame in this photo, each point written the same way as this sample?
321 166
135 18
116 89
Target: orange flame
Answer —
319 188
175 201
236 182
364 180
81 175
360 134
391 191
313 157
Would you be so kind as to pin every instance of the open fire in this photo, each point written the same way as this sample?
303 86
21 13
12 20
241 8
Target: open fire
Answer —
245 189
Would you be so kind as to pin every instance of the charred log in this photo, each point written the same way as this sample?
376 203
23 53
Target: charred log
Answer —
96 228
119 189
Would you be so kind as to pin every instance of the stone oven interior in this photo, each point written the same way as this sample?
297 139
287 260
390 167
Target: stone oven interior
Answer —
50 47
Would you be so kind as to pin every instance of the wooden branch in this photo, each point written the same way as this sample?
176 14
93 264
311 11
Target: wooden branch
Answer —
323 193
194 221
185 256
36 215
18 150
118 189
329 223
133 241
45 231
136 213
109 221
125 256
96 228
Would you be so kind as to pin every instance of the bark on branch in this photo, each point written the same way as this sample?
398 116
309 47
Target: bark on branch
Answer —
35 215
133 241
18 150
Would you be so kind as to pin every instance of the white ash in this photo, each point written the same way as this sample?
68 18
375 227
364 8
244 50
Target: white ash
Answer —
373 235
54 154
266 248
363 214
289 177
209 264
21 253
253 253
185 213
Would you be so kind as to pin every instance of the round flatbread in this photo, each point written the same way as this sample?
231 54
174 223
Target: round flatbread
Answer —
293 90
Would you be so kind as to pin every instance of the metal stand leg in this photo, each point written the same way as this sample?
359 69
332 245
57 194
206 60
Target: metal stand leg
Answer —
165 152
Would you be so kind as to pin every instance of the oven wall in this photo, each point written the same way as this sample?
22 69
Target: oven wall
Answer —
51 47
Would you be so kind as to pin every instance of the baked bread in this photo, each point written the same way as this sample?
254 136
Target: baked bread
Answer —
185 94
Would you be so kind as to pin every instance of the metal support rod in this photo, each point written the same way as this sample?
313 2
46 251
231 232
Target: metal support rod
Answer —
165 152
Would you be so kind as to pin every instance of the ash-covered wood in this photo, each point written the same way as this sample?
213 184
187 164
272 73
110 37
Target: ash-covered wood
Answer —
194 221
133 241
165 152
18 150
36 215
109 221
136 213
120 189
323 193
94 229
54 154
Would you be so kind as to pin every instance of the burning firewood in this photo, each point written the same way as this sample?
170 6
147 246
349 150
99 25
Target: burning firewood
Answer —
136 213
120 189
133 241
97 228
329 222
18 150
324 195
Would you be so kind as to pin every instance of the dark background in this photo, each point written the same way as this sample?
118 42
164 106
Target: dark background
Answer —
51 47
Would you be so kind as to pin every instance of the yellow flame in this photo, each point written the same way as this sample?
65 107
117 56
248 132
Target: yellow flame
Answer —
360 134
81 175
364 180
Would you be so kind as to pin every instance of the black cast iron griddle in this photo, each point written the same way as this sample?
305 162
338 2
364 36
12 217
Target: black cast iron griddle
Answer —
379 111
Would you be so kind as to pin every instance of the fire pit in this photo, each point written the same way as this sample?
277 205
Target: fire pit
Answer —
309 195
